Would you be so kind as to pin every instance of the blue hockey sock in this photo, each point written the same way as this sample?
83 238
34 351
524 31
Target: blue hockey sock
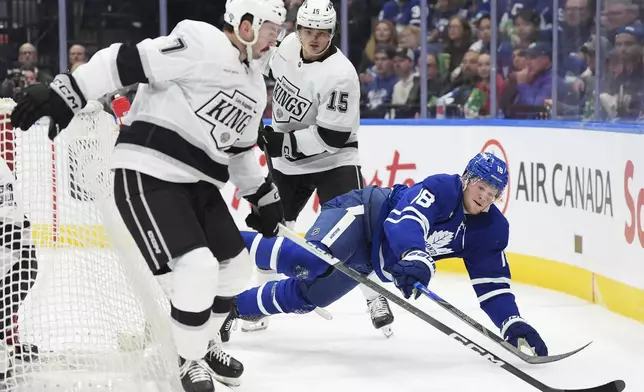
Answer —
284 256
273 297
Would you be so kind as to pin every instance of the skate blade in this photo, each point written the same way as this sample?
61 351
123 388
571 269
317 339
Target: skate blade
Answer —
254 327
387 331
325 314
227 381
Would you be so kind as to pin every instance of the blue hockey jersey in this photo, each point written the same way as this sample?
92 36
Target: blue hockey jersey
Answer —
401 13
430 216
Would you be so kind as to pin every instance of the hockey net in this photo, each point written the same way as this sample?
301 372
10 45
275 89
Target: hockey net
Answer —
95 313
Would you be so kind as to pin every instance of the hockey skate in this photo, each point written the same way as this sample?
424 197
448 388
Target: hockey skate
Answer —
381 315
226 369
195 376
230 324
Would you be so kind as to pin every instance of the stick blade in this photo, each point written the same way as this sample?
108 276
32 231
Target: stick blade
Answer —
613 386
534 360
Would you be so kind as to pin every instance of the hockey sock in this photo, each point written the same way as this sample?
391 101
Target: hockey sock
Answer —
284 256
282 296
195 281
369 294
221 307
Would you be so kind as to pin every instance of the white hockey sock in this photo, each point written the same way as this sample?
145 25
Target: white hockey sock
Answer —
369 294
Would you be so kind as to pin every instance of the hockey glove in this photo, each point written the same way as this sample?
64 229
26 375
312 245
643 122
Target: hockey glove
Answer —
515 329
60 101
266 210
277 144
415 266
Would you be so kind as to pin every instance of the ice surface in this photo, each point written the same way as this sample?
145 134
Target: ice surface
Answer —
308 353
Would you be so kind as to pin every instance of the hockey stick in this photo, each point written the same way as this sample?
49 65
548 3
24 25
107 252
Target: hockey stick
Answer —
491 335
613 386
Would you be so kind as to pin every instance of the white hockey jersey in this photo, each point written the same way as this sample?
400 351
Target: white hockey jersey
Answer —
196 116
320 100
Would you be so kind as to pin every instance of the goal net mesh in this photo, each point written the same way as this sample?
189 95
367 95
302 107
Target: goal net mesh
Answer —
79 308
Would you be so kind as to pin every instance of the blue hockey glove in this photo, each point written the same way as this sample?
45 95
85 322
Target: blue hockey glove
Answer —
415 266
516 328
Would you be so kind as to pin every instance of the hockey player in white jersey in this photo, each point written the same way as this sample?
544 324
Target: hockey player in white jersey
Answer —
313 139
191 128
19 270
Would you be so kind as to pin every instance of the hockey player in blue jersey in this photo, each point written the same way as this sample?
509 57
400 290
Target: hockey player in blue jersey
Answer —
399 233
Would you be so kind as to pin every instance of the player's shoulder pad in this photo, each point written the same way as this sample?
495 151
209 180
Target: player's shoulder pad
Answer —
446 188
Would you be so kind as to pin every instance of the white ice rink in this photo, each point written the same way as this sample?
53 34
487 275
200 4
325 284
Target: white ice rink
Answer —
308 353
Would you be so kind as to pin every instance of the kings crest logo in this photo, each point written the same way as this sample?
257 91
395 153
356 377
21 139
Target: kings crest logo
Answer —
226 114
288 104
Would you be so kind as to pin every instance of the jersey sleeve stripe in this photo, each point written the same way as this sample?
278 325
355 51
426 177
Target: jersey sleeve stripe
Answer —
238 150
333 127
129 66
490 280
334 139
494 293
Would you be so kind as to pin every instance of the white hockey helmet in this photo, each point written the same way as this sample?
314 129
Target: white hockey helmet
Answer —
317 14
261 11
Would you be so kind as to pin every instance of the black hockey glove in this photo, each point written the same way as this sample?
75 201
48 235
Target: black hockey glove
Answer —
266 211
60 101
278 144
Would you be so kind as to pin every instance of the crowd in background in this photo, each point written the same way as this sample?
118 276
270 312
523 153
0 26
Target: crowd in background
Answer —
384 45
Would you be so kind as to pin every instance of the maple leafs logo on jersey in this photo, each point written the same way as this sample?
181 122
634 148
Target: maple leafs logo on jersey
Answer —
228 114
437 242
288 104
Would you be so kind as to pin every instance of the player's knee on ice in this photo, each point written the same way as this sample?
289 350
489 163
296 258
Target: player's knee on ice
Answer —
284 256
195 278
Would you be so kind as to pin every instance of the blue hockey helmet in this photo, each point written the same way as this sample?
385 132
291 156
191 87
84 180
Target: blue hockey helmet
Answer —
489 168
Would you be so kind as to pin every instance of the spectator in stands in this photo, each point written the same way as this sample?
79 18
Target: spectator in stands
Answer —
377 94
629 95
585 84
15 83
526 31
484 68
409 38
467 72
77 55
401 12
441 15
459 39
618 14
483 25
576 27
436 85
629 39
534 82
462 85
28 57
383 33
404 60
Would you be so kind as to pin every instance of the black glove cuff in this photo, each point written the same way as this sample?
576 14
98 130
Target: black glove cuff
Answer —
266 187
65 86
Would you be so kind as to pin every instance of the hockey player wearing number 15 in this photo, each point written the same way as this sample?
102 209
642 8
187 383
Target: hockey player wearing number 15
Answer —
400 233
313 139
